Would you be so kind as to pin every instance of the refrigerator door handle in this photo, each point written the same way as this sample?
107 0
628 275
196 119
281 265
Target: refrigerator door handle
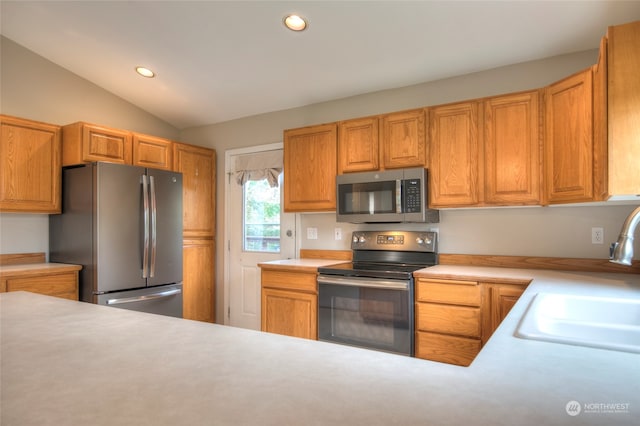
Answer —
145 203
159 295
154 230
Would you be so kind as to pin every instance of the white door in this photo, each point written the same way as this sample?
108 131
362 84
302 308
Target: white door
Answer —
257 231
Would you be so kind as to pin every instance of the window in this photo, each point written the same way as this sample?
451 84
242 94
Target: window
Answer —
261 221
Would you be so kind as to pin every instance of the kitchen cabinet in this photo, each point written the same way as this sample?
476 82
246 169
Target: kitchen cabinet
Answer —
310 166
198 279
454 166
501 298
570 161
30 156
152 151
512 149
623 94
289 303
403 139
198 168
59 280
358 145
84 142
455 318
448 320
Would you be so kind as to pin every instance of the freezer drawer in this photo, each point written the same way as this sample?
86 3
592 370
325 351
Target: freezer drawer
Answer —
161 300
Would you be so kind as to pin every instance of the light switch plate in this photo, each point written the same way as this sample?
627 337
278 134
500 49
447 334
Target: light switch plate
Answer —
312 233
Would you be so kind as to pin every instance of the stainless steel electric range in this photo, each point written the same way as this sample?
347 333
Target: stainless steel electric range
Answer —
369 302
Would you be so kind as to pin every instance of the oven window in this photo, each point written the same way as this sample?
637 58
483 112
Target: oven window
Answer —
367 198
367 317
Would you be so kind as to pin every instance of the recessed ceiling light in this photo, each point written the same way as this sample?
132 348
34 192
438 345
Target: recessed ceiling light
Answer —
295 23
145 72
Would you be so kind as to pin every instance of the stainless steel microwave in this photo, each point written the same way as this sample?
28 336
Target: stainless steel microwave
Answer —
389 196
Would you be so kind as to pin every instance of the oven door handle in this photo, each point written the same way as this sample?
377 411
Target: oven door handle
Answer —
380 283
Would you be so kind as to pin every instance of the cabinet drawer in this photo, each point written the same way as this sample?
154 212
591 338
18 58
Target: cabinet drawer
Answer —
461 320
290 280
60 285
452 292
449 349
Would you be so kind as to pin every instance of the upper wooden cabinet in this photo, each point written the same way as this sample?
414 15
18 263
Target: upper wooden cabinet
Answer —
454 168
310 165
29 166
623 109
512 145
84 143
569 144
358 145
403 139
152 151
197 166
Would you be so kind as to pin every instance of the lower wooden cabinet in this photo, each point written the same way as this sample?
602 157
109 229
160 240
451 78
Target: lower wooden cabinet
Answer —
58 284
198 280
290 303
455 318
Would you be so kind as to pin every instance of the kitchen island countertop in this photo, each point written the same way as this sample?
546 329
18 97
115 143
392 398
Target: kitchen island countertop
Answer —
73 363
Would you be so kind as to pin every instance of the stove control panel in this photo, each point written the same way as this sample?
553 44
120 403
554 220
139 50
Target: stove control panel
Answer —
395 240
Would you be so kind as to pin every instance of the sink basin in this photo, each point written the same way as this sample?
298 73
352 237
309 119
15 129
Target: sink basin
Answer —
584 321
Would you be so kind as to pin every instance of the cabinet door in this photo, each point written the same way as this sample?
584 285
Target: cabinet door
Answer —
568 146
404 142
29 166
512 150
198 168
84 143
502 298
151 151
453 163
198 280
310 166
624 109
291 313
358 147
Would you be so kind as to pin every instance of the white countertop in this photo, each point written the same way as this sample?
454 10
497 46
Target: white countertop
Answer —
72 363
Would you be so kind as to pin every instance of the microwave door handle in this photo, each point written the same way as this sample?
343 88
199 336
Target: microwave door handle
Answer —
398 196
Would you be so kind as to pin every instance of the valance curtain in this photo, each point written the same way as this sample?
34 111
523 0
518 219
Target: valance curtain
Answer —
263 165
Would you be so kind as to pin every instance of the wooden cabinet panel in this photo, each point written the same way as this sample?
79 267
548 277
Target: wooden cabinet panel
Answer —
448 291
449 319
502 298
454 169
151 151
84 143
296 281
198 280
512 149
30 173
568 157
290 313
64 285
443 348
310 165
198 168
404 139
358 145
623 109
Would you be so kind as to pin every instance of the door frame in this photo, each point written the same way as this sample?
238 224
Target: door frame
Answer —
228 170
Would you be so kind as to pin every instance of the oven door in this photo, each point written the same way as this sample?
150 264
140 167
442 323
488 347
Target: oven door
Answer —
372 313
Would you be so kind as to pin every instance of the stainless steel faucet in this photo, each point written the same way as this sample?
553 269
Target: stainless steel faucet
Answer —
622 250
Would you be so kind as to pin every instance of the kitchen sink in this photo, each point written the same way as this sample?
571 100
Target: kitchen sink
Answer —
597 322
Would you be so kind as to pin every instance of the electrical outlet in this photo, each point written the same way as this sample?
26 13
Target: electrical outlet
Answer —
338 233
312 233
597 235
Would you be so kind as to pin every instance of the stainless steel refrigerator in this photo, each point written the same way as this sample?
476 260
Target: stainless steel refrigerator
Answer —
123 224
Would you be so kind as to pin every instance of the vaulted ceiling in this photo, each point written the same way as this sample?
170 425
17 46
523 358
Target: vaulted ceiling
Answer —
220 60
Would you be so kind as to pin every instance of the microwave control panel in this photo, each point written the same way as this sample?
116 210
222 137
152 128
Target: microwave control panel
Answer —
412 200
